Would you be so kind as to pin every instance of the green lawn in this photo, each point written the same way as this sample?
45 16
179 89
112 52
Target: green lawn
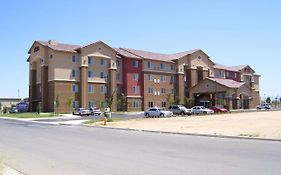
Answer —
28 115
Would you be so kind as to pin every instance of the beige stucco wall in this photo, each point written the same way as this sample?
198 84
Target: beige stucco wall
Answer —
203 62
155 66
97 67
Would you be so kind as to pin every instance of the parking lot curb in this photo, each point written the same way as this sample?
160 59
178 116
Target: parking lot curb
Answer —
188 134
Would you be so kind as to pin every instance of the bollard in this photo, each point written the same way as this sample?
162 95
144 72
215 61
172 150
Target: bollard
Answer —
104 120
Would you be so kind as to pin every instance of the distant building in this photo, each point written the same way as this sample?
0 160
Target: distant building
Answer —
8 102
87 75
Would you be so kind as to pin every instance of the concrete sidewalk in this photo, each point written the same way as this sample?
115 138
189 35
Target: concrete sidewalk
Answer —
5 170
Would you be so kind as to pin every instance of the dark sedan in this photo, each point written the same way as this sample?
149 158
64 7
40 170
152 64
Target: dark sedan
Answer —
218 109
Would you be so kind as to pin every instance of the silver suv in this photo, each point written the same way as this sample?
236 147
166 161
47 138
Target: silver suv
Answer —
180 109
157 112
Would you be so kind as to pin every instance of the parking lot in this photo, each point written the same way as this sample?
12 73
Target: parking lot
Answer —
265 124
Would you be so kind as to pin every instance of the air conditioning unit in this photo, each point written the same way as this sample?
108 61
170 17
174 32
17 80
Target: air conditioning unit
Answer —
155 93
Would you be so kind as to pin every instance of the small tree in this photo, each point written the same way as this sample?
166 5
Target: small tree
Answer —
121 102
187 102
169 99
5 110
110 99
38 108
268 100
69 103
177 100
57 103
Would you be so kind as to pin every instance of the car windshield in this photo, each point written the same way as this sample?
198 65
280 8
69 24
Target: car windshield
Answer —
160 109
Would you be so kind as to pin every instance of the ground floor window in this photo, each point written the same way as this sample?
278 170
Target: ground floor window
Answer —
136 104
163 104
75 104
150 104
92 103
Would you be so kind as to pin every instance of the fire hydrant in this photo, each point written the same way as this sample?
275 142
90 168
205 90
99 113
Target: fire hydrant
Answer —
104 120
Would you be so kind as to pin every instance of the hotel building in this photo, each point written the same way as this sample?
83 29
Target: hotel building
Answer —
85 76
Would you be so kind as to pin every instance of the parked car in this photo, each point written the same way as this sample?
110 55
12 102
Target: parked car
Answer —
81 111
95 111
157 112
264 106
201 110
13 110
180 109
218 109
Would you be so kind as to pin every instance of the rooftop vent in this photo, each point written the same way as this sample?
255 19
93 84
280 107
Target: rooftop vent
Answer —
52 42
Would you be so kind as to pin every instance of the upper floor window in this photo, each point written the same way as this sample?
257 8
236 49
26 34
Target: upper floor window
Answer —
163 78
36 49
135 63
103 89
91 89
75 88
162 66
136 76
172 67
75 58
172 91
74 73
103 75
118 76
91 74
90 60
150 77
103 61
136 90
150 90
118 63
163 91
149 65
172 79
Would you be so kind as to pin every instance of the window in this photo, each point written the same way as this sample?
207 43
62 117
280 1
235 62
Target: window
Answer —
75 104
150 77
118 77
149 65
163 78
162 66
90 60
172 67
136 104
103 89
91 74
103 61
118 62
163 91
103 75
75 88
73 73
150 90
172 79
172 91
150 104
92 103
74 58
136 76
163 104
135 63
91 89
136 90
235 75
227 74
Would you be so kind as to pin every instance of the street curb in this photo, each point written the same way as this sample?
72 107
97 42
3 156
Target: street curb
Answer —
189 134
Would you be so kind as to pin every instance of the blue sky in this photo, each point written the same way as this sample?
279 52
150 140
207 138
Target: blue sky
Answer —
231 32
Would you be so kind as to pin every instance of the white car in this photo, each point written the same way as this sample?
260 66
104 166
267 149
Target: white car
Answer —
157 112
95 111
201 110
264 106
82 111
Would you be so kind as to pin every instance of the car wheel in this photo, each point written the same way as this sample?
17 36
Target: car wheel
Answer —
73 113
147 115
204 112
161 115
182 113
80 114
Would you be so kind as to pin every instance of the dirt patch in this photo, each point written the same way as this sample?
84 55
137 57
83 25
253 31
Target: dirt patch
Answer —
252 124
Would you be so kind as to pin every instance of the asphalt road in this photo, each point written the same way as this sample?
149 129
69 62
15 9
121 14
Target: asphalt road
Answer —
41 149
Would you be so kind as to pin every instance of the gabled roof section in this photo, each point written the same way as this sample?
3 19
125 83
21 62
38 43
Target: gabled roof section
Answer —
97 42
223 67
227 82
57 46
182 54
149 55
125 53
